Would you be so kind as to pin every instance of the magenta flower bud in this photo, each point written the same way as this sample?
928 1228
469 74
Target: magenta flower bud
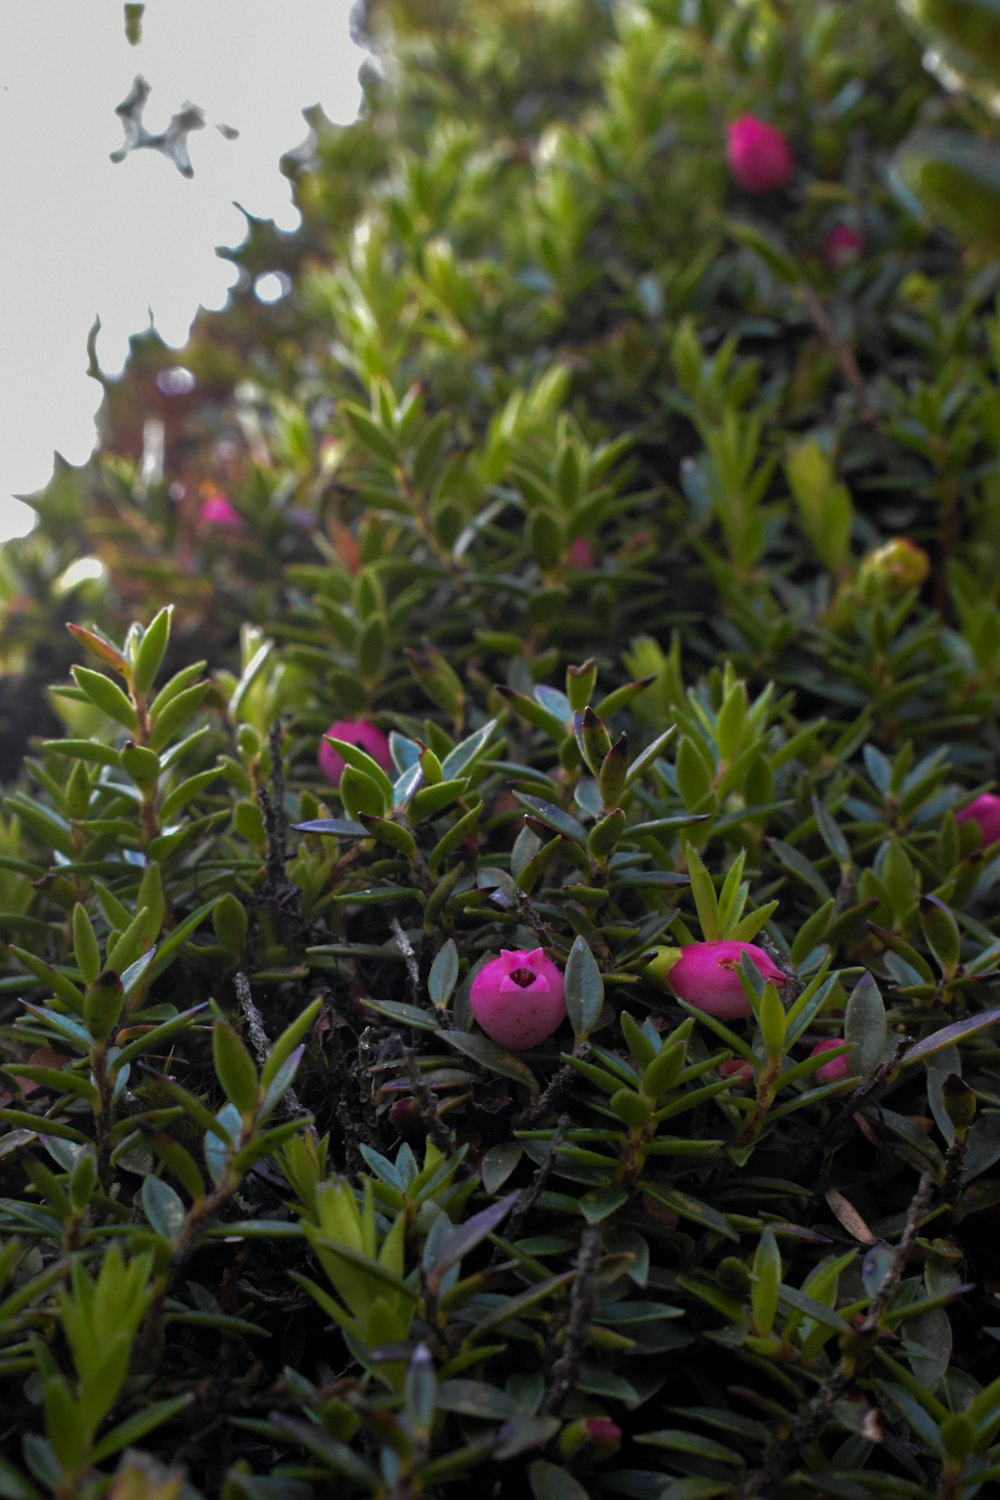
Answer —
738 1070
759 156
220 512
842 245
707 976
837 1068
985 811
602 1429
598 1436
518 998
360 732
581 553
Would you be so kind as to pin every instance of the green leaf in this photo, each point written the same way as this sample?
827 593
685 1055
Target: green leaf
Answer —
498 1163
681 1441
371 434
553 1482
336 827
107 695
432 799
41 1125
491 1057
941 932
103 1005
185 791
68 1028
948 1036
705 899
766 1281
443 975
175 714
139 1424
234 1068
90 750
687 1207
464 828
163 1208
554 818
152 650
361 795
957 178
63 988
99 645
865 1025
465 1237
389 832
601 1203
535 713
583 989
158 1035
769 248
467 752
289 1040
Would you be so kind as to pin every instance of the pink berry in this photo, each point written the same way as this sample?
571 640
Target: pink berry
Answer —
837 1068
759 155
707 976
842 245
518 998
581 553
218 511
360 732
985 811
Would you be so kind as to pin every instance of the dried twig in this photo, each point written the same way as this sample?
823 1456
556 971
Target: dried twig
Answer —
409 957
559 1085
581 1309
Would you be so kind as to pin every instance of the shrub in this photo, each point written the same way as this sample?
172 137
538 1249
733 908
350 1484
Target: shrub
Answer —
280 1217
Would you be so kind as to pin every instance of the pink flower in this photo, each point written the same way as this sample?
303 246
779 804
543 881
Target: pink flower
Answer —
985 811
707 976
581 553
842 245
759 156
518 998
837 1068
218 511
356 732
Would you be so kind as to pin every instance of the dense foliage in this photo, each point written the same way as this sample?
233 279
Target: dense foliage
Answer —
640 498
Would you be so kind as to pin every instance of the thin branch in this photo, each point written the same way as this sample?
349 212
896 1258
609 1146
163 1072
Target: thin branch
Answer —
581 1311
409 957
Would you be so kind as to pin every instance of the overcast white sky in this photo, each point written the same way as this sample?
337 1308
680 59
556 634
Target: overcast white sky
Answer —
84 237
